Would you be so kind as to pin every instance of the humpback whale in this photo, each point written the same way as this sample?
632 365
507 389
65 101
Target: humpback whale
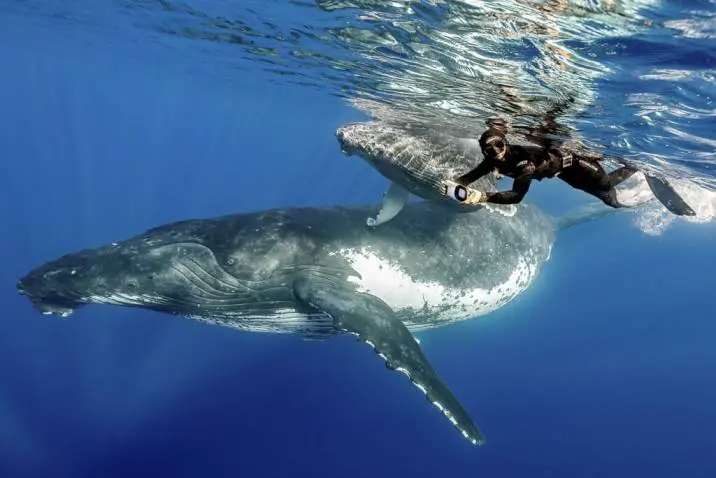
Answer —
416 160
318 272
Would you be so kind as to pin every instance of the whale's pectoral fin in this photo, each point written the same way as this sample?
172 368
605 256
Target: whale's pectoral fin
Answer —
667 196
394 200
375 323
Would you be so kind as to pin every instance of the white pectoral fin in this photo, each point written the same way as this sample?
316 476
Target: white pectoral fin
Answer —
394 201
375 324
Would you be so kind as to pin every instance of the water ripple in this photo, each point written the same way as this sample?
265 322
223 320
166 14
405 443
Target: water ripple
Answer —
641 72
486 59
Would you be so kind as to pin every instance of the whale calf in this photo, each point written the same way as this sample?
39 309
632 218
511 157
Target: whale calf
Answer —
317 272
416 160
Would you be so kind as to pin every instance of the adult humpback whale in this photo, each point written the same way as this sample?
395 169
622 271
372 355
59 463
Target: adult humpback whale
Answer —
319 271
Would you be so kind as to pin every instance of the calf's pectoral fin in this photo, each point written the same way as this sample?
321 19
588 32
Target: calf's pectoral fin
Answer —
394 201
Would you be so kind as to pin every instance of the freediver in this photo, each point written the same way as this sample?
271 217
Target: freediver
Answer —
550 159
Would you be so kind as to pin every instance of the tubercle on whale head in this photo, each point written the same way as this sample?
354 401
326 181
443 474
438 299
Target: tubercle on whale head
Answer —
348 147
48 303
55 288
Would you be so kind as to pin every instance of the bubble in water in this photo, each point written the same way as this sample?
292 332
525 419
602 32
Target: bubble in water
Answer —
652 217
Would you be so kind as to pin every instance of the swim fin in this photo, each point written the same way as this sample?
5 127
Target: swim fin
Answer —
665 193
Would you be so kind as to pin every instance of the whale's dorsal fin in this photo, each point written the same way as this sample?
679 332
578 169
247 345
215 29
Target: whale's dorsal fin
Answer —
375 323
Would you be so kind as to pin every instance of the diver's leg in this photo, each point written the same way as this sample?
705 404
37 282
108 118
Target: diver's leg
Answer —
590 177
608 197
620 175
586 175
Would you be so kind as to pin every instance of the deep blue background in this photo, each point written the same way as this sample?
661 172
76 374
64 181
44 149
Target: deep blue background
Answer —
604 368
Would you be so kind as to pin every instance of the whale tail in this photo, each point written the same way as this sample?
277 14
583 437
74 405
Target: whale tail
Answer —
587 213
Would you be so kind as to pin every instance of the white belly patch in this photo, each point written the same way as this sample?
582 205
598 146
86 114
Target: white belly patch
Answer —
400 291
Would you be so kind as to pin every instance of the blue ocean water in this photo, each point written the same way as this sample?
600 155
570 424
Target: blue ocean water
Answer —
119 116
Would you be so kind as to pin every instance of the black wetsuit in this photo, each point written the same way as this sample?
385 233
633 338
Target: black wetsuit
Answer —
525 163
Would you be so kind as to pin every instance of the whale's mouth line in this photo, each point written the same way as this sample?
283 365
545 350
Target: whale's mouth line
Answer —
50 304
61 307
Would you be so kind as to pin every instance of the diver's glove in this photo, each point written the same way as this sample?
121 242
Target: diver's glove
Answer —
463 194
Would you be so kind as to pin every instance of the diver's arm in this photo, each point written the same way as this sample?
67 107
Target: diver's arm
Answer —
520 186
482 169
